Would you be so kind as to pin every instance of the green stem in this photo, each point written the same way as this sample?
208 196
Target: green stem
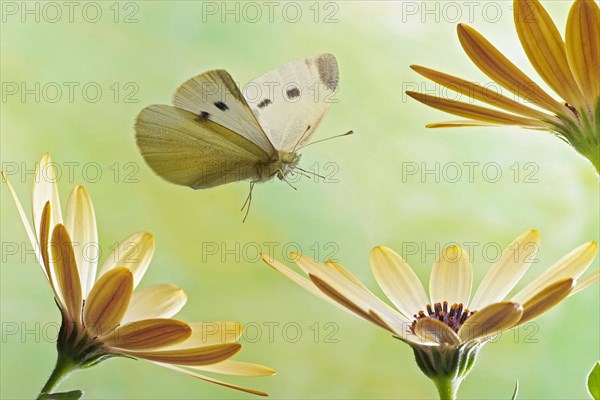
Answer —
447 388
63 368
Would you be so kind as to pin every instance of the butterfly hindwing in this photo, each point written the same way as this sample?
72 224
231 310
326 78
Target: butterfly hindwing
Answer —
188 149
215 96
290 101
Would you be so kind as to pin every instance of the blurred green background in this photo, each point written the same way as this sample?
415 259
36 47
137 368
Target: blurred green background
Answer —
138 53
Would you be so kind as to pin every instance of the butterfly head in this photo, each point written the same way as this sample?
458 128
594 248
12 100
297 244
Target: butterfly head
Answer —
287 163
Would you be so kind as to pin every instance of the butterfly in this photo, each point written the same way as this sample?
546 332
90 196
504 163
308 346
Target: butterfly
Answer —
213 134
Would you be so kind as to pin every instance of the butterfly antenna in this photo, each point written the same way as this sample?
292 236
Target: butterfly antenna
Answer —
301 137
247 202
322 140
309 173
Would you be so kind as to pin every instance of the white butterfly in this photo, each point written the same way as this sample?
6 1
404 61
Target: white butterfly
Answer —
213 135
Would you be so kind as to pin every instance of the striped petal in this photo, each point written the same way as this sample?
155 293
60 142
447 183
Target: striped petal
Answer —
108 301
451 277
239 368
493 63
203 355
134 253
545 49
433 330
546 299
570 266
68 284
490 321
472 111
45 190
148 334
459 123
157 301
398 281
583 48
211 332
480 93
81 224
590 280
507 271
212 380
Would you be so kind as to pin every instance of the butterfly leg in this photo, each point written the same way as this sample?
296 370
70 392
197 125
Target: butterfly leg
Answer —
286 181
248 202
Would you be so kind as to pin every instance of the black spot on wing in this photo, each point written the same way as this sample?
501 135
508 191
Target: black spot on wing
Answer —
221 106
203 116
293 92
264 103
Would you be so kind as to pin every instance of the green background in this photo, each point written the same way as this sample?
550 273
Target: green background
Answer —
372 203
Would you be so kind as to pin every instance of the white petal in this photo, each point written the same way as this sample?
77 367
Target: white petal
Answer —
134 253
451 277
157 301
45 190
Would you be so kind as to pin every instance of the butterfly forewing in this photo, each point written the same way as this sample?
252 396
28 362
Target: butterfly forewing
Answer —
290 101
215 96
189 150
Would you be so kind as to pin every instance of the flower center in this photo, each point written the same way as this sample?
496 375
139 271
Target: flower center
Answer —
453 317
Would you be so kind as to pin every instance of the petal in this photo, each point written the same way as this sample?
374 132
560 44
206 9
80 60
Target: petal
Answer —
66 272
472 111
45 190
490 321
134 253
493 63
232 367
545 49
157 301
590 280
480 93
345 273
398 281
108 301
81 223
24 220
433 330
203 355
211 332
570 266
507 271
546 299
211 380
148 334
583 47
45 245
451 277
460 123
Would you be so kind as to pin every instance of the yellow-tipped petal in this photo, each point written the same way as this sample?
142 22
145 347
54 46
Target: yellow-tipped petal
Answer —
590 280
570 266
480 93
398 281
157 301
148 334
44 190
211 332
134 253
546 299
460 123
472 111
212 380
45 231
239 368
66 272
203 355
545 49
451 277
490 321
81 224
108 301
433 330
507 271
24 220
493 63
583 48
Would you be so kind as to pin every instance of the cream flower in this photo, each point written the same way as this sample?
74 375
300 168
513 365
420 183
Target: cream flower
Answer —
571 70
102 316
447 328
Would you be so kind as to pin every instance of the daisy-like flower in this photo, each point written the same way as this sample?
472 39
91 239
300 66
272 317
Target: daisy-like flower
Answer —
571 70
102 317
447 328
